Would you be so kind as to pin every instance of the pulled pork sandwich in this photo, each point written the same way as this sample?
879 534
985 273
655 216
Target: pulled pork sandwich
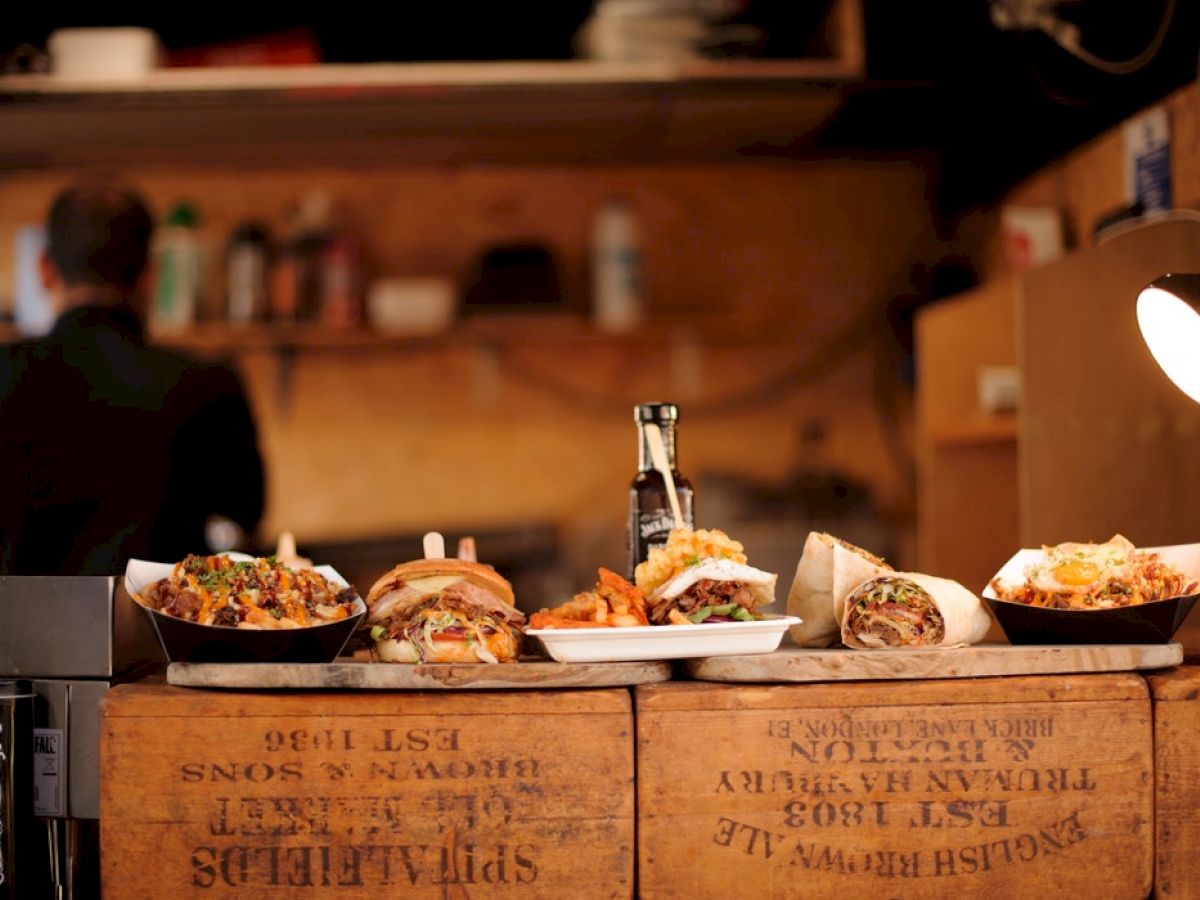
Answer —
444 611
702 576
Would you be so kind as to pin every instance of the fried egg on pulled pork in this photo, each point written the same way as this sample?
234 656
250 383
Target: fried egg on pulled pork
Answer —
1083 568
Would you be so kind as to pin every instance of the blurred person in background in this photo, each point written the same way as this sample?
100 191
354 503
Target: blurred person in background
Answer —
111 449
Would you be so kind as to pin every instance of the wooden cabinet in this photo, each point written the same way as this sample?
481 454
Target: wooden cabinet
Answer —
1176 698
967 461
1102 442
993 787
439 794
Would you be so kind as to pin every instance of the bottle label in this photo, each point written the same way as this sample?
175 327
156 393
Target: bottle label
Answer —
655 526
649 527
48 793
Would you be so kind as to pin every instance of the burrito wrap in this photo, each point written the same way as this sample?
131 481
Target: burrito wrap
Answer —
960 614
827 571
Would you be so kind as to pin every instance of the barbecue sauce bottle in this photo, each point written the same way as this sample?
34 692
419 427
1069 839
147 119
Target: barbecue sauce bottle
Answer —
650 517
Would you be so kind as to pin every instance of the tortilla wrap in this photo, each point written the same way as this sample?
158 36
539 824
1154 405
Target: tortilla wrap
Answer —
827 571
964 618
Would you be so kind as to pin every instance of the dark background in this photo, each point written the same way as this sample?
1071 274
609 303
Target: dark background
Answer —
994 105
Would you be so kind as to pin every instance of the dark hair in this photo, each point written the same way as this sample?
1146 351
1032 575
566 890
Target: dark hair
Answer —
98 232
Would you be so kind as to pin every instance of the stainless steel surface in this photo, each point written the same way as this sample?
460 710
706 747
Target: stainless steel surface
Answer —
54 714
73 637
69 710
73 846
19 859
73 706
72 627
52 845
83 749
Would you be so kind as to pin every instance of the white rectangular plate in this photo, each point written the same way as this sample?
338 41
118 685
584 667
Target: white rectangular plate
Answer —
643 642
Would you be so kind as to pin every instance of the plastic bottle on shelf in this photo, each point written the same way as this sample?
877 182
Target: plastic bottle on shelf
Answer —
341 281
617 301
295 291
283 280
246 266
178 268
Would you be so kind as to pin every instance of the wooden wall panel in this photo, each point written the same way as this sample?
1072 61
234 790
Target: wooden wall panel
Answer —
954 339
1089 184
379 442
383 445
968 512
1107 442
967 462
807 243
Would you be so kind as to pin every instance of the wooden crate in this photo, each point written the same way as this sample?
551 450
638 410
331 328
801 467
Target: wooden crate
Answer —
441 794
1177 782
992 787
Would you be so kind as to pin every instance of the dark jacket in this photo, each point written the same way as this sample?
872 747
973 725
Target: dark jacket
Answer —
110 449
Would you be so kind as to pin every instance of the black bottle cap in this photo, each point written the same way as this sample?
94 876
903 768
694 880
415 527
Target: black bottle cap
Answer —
655 412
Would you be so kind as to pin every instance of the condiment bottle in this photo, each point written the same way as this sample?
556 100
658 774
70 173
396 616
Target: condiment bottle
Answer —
246 268
296 277
178 271
617 303
341 281
650 516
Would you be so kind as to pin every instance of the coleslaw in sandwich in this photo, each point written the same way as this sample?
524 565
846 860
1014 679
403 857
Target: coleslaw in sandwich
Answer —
444 611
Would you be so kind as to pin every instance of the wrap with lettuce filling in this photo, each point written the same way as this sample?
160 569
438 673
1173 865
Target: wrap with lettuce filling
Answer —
906 609
829 567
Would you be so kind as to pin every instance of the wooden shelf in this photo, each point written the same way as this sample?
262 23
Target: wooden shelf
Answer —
528 112
975 433
516 329
245 82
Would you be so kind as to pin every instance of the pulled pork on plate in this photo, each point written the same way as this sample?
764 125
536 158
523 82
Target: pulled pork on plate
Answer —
701 576
1095 576
260 593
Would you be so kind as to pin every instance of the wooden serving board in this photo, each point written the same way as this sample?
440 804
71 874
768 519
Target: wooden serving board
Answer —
796 664
374 676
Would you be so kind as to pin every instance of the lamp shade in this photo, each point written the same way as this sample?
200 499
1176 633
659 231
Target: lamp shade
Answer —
1168 314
